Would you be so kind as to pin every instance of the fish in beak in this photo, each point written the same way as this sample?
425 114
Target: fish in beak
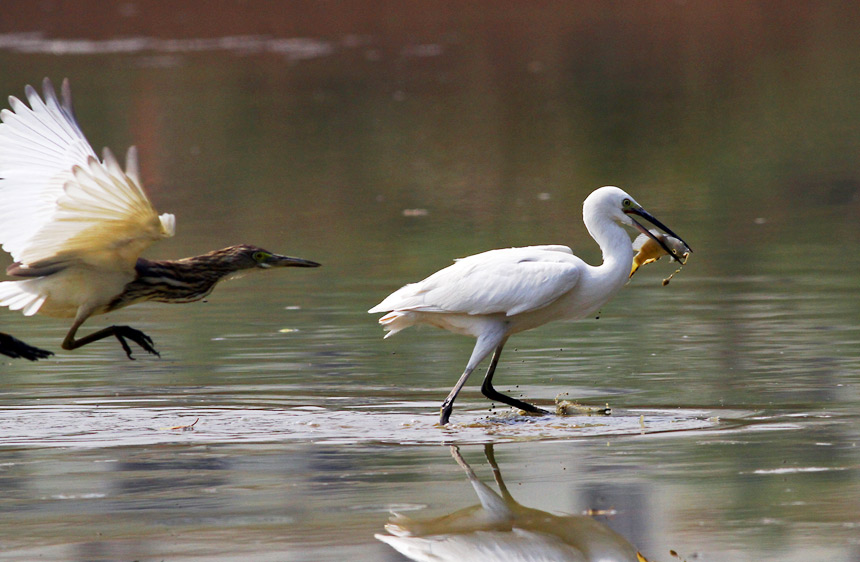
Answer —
674 252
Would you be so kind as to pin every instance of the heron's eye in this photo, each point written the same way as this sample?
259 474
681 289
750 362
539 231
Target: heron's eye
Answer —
626 203
260 256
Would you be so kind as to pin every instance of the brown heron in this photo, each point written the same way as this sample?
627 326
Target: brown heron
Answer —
15 348
76 227
493 295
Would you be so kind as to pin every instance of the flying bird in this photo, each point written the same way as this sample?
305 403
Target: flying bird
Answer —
76 226
495 294
15 348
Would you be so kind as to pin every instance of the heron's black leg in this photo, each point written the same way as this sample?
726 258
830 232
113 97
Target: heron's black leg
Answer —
493 394
15 348
121 333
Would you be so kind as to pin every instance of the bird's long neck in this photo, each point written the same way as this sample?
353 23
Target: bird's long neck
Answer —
174 281
617 251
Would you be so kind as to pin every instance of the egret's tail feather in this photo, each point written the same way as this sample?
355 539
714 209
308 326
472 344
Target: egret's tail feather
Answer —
397 320
15 295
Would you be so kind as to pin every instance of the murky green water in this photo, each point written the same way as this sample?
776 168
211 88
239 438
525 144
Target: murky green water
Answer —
383 141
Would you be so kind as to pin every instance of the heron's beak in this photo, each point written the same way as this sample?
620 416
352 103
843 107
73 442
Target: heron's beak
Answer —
650 218
276 260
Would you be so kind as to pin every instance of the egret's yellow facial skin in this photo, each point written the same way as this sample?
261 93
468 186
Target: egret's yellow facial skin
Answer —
648 250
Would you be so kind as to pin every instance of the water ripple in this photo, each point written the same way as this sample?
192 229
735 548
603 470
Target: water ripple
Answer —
111 426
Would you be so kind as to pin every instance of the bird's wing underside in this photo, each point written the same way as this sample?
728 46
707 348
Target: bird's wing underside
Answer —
58 202
509 281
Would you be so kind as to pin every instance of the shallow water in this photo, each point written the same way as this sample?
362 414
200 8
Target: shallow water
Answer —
278 425
106 424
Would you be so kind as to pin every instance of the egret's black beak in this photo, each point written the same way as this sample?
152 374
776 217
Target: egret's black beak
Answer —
650 218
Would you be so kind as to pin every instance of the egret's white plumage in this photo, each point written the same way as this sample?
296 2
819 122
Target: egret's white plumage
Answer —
495 294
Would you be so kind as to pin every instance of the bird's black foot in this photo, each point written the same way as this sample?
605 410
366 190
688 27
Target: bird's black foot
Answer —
15 348
138 337
121 333
493 394
445 412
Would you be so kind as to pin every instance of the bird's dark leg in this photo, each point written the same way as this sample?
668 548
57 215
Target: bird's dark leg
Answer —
119 332
448 404
493 394
497 473
13 347
488 341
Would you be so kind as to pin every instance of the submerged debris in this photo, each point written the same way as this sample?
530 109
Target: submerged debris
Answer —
189 427
568 408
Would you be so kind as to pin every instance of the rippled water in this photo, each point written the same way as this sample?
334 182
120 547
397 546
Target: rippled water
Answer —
278 425
107 425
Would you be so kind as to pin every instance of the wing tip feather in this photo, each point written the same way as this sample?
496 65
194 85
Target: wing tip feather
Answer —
168 224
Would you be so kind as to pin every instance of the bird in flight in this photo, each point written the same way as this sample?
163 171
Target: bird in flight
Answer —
495 294
76 226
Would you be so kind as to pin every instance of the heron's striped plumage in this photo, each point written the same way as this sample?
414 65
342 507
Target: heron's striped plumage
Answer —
191 279
76 226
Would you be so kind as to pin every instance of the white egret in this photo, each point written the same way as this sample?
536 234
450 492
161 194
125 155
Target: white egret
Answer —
76 227
495 294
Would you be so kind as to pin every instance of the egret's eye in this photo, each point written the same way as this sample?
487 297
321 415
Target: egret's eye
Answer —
260 256
626 203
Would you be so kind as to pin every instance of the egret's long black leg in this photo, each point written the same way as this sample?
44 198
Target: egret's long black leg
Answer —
448 404
487 341
493 394
121 333
15 348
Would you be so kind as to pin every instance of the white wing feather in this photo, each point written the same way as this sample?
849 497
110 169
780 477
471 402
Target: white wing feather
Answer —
509 281
57 201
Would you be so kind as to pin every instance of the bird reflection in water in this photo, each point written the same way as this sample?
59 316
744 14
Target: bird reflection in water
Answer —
501 529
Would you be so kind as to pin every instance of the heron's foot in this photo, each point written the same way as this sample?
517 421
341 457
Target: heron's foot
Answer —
121 333
15 348
138 337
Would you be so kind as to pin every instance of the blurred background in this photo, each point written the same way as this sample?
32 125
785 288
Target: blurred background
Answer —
384 139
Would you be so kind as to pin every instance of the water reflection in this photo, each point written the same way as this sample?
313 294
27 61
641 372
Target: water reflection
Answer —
502 529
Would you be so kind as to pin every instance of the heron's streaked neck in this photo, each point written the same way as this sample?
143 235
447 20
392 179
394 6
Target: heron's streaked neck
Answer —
185 280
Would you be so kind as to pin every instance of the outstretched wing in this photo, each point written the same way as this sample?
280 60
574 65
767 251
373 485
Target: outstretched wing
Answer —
509 281
58 202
